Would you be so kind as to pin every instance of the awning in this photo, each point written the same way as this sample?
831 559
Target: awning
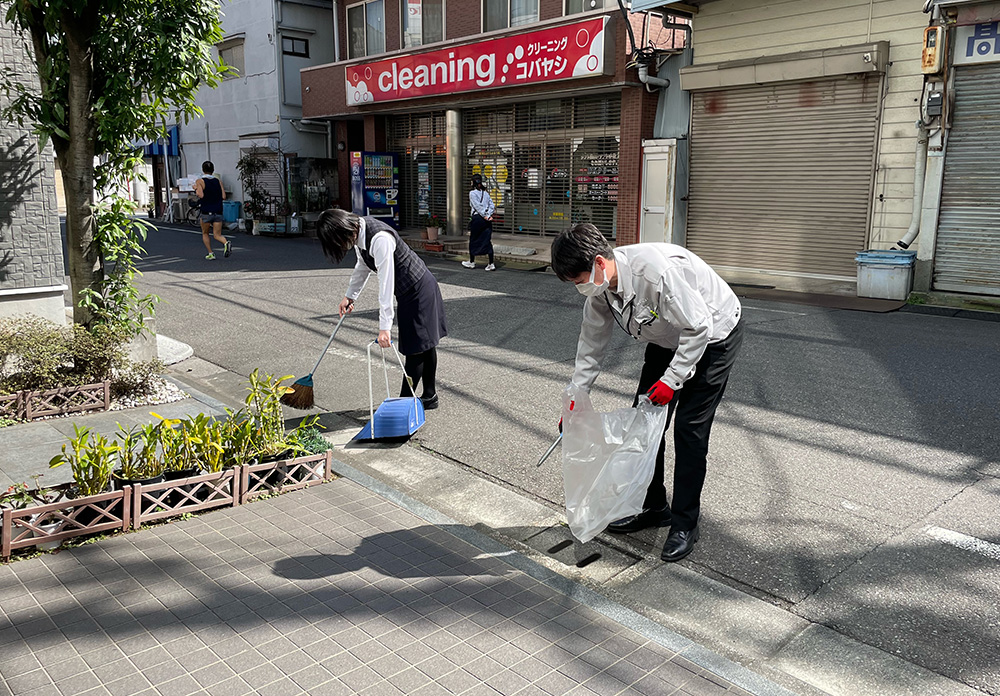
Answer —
156 147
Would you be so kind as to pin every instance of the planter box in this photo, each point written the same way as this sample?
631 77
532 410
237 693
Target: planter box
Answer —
29 405
292 474
72 517
135 504
158 501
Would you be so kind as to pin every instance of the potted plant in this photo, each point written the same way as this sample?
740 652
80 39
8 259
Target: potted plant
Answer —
433 227
19 497
137 458
264 404
178 454
250 166
92 461
425 224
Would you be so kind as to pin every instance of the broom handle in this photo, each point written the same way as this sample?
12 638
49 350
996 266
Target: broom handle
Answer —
329 343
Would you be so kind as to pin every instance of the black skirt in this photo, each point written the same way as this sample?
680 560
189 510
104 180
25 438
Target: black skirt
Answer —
421 317
480 236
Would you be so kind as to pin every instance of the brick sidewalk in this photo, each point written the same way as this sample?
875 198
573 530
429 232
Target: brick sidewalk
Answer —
332 590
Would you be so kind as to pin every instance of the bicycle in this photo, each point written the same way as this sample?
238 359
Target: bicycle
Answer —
193 215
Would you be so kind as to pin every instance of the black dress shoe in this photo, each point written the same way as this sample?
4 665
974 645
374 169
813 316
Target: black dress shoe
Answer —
429 403
679 544
647 518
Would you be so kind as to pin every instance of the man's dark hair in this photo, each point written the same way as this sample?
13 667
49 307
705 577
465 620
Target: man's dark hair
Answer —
337 231
575 249
208 167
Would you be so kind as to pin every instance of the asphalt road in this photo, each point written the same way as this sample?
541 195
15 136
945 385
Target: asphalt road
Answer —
854 474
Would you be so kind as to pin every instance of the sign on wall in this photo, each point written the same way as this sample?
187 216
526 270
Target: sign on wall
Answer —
977 43
555 53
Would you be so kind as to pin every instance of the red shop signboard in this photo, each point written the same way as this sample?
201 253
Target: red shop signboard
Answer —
556 53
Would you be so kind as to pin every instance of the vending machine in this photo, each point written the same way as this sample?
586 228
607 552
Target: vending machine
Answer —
375 185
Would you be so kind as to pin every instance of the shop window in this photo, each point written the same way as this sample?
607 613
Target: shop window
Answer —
577 6
290 46
547 164
422 22
231 54
366 28
501 14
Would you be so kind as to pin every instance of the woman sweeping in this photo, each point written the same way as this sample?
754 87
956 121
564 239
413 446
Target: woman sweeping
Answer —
401 273
481 225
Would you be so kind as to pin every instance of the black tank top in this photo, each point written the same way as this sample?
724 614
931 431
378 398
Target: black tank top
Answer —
211 202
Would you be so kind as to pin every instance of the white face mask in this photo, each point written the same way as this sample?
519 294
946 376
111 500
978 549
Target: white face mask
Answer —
590 288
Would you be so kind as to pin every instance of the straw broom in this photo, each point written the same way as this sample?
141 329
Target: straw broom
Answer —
300 394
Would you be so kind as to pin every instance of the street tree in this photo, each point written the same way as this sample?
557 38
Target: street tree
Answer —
111 72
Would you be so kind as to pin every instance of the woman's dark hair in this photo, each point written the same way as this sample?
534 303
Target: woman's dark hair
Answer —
208 167
477 182
337 231
574 250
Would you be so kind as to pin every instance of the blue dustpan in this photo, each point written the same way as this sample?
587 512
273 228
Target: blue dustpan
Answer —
395 417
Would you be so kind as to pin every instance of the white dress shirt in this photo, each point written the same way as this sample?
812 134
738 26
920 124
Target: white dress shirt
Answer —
383 249
665 295
481 203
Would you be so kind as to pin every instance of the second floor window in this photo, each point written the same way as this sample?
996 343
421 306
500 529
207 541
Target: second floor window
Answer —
501 14
575 6
366 28
292 46
423 22
231 53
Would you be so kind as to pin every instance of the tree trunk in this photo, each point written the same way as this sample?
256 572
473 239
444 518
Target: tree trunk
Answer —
86 267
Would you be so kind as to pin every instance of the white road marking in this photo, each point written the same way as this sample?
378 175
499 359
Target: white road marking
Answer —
965 542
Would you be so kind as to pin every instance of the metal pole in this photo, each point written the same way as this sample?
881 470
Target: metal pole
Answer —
453 129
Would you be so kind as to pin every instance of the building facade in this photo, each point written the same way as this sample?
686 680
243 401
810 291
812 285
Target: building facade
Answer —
259 104
32 277
819 130
540 98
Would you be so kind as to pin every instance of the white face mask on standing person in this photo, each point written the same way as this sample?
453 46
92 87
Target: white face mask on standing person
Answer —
592 288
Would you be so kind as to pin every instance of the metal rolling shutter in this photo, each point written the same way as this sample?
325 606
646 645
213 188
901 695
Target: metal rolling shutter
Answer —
548 164
781 175
968 237
423 164
272 178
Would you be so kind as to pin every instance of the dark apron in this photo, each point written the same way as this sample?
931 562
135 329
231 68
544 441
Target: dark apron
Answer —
480 236
419 306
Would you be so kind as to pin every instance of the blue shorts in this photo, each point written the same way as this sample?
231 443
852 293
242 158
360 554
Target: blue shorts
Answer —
209 218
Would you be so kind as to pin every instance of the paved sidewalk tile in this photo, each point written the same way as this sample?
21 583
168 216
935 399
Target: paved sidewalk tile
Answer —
332 590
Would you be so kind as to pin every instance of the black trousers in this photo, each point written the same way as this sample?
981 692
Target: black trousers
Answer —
693 410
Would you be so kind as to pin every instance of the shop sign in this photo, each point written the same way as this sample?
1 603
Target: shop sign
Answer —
555 53
977 43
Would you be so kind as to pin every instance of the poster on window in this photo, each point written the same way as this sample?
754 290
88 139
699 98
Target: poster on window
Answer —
571 51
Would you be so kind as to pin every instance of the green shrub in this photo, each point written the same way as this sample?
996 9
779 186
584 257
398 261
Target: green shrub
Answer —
36 354
311 440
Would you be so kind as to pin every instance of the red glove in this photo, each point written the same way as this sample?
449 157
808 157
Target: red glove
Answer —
571 405
660 393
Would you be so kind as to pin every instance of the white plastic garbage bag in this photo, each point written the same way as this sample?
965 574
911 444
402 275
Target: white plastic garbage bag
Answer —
608 460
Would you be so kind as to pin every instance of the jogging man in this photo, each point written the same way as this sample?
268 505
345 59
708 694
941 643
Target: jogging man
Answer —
209 189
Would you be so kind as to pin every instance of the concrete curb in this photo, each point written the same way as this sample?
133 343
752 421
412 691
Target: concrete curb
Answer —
698 654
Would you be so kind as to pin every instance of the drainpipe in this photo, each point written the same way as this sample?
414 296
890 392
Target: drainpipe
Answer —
208 144
336 32
651 82
919 172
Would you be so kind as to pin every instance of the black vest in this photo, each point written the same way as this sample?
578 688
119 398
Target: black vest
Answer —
409 268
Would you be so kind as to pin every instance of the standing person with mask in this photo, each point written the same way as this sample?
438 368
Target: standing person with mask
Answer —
209 189
481 224
400 273
690 320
